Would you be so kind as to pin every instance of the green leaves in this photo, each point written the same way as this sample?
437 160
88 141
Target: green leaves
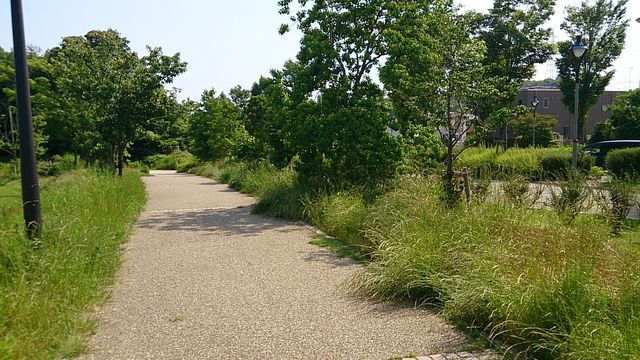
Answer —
214 127
603 26
516 38
115 94
625 119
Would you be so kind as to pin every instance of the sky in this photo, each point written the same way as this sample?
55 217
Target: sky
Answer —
228 43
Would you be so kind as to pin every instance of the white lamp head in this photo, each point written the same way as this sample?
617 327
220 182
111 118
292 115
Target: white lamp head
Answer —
535 102
578 48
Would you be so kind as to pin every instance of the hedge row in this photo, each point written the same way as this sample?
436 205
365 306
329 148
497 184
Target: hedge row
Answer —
624 162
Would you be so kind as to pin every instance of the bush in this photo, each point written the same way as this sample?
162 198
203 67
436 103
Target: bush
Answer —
6 173
139 165
571 198
57 165
278 191
342 215
615 200
175 161
343 145
557 166
624 162
523 129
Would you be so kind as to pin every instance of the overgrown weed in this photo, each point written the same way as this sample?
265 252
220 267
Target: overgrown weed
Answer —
46 290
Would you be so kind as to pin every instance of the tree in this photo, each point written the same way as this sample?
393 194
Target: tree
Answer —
267 119
43 99
516 40
603 27
120 92
214 127
339 119
549 83
164 134
239 96
437 80
625 119
523 128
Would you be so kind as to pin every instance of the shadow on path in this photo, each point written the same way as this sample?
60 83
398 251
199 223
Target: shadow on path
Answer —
328 257
235 221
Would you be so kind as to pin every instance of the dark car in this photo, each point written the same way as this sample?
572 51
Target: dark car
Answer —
600 149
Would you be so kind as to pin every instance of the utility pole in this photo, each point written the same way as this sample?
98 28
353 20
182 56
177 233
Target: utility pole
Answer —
30 186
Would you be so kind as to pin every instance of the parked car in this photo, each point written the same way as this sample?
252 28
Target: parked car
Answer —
600 149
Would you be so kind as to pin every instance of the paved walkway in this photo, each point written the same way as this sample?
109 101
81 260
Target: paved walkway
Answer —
203 278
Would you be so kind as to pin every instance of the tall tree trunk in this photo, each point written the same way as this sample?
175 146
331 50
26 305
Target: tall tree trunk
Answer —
114 164
120 159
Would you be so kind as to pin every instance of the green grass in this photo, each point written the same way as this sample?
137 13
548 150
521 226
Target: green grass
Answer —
341 248
532 163
278 192
6 173
48 289
514 275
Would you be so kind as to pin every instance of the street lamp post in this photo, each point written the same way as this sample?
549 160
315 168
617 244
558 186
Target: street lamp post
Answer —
534 105
578 49
30 186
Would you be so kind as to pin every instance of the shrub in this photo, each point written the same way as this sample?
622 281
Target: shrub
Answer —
57 165
624 162
523 129
570 198
342 215
345 144
174 161
518 275
556 166
6 173
516 190
615 200
278 191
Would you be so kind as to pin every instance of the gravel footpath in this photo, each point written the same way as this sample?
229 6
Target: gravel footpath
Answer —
203 278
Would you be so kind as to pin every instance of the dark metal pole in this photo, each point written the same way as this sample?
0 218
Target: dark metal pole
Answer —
534 127
574 130
30 186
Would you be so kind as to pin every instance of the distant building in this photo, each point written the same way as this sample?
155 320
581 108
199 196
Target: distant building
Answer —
551 104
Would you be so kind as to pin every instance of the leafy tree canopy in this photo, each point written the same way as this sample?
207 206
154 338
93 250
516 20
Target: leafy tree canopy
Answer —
120 92
603 27
625 119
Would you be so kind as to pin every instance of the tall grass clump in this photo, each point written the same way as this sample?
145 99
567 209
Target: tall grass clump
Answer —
7 173
342 215
278 191
531 163
48 287
514 274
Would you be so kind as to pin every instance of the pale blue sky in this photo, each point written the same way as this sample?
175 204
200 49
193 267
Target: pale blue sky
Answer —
225 42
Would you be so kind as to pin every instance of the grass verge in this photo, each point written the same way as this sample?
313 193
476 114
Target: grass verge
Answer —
48 289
